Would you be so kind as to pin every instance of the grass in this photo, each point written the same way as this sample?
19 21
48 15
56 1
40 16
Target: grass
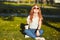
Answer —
31 4
10 30
50 33
15 4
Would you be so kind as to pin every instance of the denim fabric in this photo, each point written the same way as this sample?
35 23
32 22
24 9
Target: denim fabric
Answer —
31 32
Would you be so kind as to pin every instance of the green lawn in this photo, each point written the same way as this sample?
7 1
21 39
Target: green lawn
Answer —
10 30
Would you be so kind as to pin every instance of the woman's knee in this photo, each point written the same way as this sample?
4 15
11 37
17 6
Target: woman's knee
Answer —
26 30
41 32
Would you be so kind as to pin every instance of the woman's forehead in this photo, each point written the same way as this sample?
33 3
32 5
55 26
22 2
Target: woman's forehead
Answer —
35 6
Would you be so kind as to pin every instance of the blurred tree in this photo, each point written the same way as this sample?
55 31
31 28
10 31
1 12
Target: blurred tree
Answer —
44 1
50 2
18 1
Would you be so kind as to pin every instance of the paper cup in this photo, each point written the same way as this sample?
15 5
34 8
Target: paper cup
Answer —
26 26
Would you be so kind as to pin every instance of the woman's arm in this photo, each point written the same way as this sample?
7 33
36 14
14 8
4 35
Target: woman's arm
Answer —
39 24
28 22
39 27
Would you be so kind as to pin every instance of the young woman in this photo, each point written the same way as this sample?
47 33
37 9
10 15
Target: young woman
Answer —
34 21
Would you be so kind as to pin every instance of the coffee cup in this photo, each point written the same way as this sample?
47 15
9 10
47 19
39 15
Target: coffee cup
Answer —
26 26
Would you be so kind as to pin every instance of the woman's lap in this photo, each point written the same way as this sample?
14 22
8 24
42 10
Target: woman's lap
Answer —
31 32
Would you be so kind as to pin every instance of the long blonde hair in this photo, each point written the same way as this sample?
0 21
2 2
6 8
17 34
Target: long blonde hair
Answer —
32 12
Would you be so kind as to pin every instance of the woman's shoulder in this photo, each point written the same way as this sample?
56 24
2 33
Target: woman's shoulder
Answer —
28 16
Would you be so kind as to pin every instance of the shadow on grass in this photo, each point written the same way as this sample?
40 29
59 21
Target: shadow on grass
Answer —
8 10
56 5
52 26
14 9
52 19
25 9
50 11
8 18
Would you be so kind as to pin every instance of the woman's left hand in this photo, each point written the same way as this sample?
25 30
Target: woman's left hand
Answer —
37 33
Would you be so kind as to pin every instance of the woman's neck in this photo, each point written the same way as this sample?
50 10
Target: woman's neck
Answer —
35 14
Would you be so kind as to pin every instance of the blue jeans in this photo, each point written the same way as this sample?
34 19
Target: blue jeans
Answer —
31 32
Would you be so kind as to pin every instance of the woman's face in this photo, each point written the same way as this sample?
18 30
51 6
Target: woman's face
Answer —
36 9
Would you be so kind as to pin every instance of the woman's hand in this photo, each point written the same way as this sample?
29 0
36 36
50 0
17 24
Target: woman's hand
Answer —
37 33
